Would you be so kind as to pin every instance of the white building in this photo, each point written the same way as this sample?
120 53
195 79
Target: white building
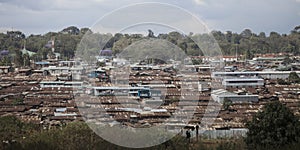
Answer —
221 94
263 74
45 84
243 82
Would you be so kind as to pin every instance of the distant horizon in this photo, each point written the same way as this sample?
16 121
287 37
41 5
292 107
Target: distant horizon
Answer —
143 33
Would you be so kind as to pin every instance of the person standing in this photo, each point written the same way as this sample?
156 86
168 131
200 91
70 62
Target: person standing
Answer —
197 131
188 135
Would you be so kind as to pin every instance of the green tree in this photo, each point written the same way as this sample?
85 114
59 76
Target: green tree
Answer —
26 59
150 34
5 61
18 58
12 129
294 78
227 104
248 54
71 30
196 61
282 82
287 60
273 127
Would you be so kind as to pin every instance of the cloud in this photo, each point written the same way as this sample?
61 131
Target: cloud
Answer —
199 2
75 4
163 18
45 5
40 16
4 30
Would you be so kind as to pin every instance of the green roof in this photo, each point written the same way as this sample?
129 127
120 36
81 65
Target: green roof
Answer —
30 53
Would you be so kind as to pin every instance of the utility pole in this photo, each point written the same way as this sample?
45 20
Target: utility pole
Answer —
52 44
236 55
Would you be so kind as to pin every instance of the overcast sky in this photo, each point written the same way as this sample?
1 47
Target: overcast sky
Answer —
42 16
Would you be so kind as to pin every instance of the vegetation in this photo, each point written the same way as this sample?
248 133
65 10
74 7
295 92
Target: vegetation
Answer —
13 130
5 61
282 82
227 104
15 134
196 61
237 144
18 101
294 78
275 127
245 43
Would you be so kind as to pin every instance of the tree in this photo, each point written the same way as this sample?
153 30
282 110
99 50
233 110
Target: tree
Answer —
5 61
273 127
71 30
85 30
150 34
281 82
247 33
26 59
18 58
12 129
196 61
183 46
227 104
294 78
248 54
262 35
297 28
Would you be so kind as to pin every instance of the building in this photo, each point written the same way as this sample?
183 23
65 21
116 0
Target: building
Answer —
243 82
46 84
25 72
41 64
204 86
230 58
5 69
262 74
140 92
58 71
68 63
270 59
53 70
221 95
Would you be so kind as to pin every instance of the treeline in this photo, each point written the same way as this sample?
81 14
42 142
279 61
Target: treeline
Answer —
245 43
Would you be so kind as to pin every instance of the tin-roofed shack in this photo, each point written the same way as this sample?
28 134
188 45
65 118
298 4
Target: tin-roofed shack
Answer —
5 69
25 72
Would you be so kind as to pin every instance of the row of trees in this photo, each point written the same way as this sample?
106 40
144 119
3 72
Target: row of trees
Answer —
245 43
250 43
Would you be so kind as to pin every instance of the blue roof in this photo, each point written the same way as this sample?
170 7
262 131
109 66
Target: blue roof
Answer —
42 63
61 109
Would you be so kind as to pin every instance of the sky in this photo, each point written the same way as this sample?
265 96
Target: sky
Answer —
42 16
